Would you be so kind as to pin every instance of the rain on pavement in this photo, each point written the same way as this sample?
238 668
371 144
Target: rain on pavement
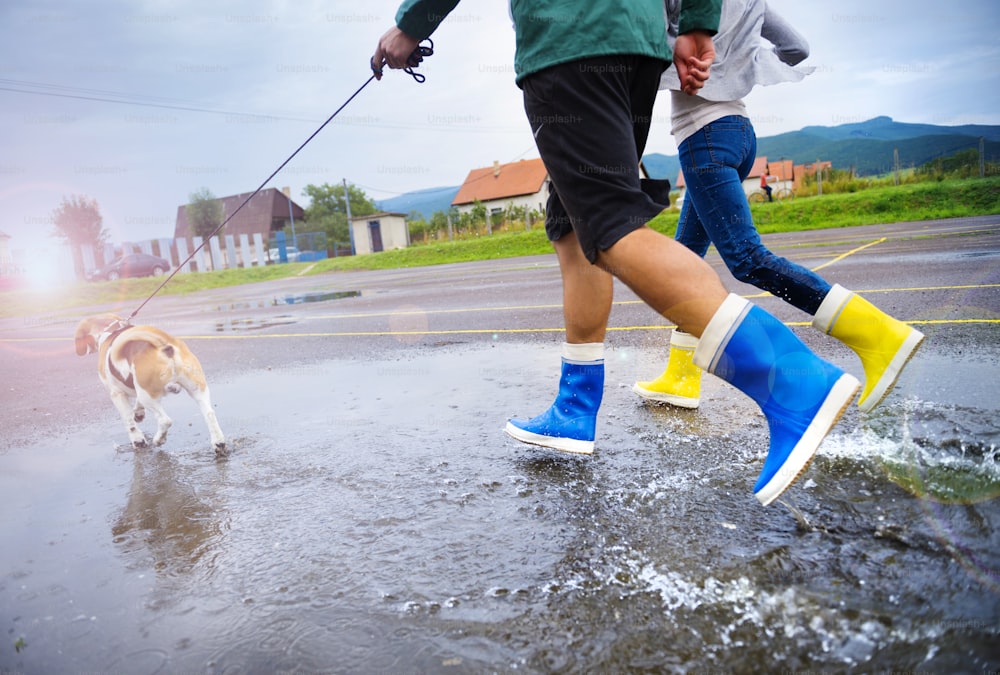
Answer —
373 517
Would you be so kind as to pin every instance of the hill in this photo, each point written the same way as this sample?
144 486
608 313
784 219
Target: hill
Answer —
886 129
662 166
425 202
867 146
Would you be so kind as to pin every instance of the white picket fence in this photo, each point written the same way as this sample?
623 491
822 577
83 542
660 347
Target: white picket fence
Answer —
221 252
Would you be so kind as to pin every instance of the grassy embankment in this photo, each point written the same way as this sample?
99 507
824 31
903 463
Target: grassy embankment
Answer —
912 202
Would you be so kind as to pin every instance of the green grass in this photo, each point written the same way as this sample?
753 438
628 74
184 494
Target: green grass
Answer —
910 202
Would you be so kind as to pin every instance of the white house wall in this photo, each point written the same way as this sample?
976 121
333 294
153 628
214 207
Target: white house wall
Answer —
534 202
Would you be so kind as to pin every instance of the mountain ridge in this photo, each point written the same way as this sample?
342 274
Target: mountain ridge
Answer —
868 147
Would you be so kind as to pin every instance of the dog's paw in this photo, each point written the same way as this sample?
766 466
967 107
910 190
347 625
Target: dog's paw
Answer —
140 444
221 449
159 440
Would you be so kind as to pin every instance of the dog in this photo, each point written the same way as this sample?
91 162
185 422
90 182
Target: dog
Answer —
144 363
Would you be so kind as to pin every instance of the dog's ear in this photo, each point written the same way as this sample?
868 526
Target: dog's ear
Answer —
85 342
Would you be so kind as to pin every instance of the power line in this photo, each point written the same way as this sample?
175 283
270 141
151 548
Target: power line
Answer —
120 98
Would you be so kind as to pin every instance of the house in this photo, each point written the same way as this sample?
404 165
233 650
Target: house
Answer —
782 174
810 169
269 211
379 232
498 187
522 183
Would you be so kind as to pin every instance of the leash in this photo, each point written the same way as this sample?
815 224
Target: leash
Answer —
418 55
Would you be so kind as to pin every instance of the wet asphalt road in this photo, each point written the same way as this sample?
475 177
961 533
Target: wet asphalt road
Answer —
938 274
374 518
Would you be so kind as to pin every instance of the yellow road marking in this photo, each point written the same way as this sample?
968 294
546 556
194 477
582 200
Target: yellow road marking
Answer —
469 331
511 308
511 331
830 262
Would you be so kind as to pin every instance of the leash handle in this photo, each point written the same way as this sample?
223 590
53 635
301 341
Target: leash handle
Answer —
419 54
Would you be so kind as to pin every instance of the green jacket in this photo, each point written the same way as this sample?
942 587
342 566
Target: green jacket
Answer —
550 32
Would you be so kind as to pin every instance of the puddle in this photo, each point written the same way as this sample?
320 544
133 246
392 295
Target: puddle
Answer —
241 305
373 517
252 324
316 296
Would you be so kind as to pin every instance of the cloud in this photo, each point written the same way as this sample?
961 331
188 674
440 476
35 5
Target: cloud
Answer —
139 104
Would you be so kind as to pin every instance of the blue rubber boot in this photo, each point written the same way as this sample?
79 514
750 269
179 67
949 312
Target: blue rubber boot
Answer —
802 396
570 423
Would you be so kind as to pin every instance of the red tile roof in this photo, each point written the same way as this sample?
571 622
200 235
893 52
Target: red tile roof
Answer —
502 181
782 170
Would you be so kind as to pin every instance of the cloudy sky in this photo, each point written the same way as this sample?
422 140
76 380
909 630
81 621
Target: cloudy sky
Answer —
140 103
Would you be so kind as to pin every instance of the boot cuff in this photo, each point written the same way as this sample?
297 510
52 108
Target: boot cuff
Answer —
831 307
683 340
716 335
588 352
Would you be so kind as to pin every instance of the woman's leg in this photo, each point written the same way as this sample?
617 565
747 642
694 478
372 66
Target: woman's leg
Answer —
715 160
690 231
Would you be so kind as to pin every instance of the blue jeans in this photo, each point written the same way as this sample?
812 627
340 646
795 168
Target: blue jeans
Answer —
715 161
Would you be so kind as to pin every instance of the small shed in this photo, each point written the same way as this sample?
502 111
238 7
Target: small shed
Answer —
379 232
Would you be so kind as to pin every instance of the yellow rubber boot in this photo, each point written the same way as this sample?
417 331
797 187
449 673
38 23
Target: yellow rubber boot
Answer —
680 383
884 344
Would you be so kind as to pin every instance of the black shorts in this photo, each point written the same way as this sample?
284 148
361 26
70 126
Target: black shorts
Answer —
591 119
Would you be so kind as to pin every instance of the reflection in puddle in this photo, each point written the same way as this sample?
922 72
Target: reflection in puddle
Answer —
317 296
166 520
253 324
241 305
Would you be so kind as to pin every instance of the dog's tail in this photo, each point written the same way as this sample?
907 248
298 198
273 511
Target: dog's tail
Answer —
151 344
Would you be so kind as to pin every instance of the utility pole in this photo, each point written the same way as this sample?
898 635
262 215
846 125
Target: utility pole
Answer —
291 217
895 164
350 224
982 157
819 178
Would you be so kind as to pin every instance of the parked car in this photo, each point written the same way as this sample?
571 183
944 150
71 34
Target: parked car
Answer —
274 254
131 265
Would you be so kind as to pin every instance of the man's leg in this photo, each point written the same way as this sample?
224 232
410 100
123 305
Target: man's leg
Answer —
801 395
667 276
680 382
587 293
585 138
570 423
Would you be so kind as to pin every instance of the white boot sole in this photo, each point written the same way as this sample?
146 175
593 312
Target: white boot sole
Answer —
672 399
833 407
892 371
562 444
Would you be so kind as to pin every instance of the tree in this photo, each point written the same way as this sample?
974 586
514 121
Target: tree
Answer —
327 210
79 223
418 226
204 213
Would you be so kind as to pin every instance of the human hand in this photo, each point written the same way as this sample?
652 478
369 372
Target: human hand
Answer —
694 53
394 49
